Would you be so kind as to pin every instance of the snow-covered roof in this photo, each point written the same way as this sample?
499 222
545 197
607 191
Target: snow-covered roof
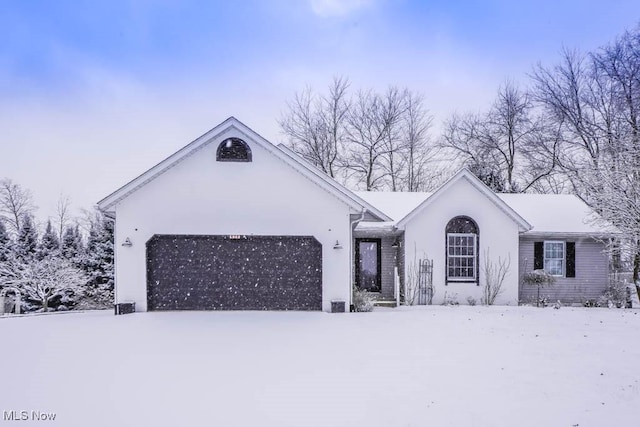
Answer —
465 174
547 213
396 204
555 213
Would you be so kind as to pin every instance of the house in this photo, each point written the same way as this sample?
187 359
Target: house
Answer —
463 229
233 222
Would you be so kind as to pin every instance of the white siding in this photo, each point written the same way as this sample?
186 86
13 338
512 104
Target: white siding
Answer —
498 237
202 196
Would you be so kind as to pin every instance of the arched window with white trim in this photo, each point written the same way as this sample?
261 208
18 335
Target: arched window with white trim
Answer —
462 250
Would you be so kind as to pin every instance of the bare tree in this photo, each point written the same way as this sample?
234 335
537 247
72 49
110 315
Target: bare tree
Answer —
393 110
370 120
388 141
315 125
564 91
594 100
63 216
15 203
371 140
418 154
504 143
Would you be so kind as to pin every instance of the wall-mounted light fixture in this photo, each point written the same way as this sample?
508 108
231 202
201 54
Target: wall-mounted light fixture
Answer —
127 242
396 243
337 245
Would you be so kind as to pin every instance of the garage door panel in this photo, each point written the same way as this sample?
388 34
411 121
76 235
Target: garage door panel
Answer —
232 272
263 298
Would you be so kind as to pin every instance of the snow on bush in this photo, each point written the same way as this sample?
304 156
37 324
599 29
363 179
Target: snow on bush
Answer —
538 278
362 300
40 281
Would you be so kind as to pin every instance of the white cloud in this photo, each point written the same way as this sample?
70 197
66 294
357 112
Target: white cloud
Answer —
328 8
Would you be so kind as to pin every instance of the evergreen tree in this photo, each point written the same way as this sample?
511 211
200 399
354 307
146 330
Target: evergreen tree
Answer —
49 244
5 243
489 174
27 241
97 260
72 244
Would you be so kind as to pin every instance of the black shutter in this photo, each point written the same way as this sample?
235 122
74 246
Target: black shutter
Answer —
538 255
571 259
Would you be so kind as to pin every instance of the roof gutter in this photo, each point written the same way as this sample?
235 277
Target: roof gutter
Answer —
595 234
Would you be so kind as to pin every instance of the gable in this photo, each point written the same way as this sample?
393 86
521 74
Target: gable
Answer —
232 128
200 193
462 199
465 187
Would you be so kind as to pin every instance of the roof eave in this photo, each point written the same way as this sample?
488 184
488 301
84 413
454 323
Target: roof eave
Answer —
523 224
356 201
165 164
596 234
346 196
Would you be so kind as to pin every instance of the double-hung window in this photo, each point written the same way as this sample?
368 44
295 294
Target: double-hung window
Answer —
461 251
554 257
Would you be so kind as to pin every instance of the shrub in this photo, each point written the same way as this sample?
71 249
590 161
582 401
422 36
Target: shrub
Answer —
450 299
45 282
362 300
614 295
539 278
494 275
471 301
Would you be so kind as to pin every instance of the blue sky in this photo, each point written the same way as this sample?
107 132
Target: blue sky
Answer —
96 92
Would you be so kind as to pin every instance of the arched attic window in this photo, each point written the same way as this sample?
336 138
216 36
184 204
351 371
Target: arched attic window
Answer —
462 249
233 150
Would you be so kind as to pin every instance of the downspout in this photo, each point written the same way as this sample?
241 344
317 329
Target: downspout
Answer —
352 226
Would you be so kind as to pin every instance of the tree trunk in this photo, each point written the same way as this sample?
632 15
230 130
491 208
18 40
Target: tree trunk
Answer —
636 263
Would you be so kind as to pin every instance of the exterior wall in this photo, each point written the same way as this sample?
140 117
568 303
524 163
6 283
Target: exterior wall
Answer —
498 237
592 271
202 196
401 264
389 261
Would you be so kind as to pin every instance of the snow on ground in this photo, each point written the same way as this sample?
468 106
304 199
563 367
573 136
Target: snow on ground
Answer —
436 366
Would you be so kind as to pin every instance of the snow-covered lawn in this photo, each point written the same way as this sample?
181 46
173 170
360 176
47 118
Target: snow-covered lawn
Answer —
453 366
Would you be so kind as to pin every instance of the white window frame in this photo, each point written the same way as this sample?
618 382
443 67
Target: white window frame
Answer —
473 257
563 259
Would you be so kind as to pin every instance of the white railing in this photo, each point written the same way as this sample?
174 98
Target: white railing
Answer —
396 286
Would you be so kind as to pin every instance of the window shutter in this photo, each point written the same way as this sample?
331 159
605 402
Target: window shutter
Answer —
538 255
571 259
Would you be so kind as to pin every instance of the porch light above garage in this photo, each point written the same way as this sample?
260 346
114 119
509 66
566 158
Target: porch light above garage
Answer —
127 242
337 245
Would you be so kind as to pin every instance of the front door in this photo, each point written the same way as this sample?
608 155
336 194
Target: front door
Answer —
368 264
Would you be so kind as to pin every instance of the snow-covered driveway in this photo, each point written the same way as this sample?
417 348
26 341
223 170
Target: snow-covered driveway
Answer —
449 366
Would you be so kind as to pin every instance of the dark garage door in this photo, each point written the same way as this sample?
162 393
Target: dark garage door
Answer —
187 272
